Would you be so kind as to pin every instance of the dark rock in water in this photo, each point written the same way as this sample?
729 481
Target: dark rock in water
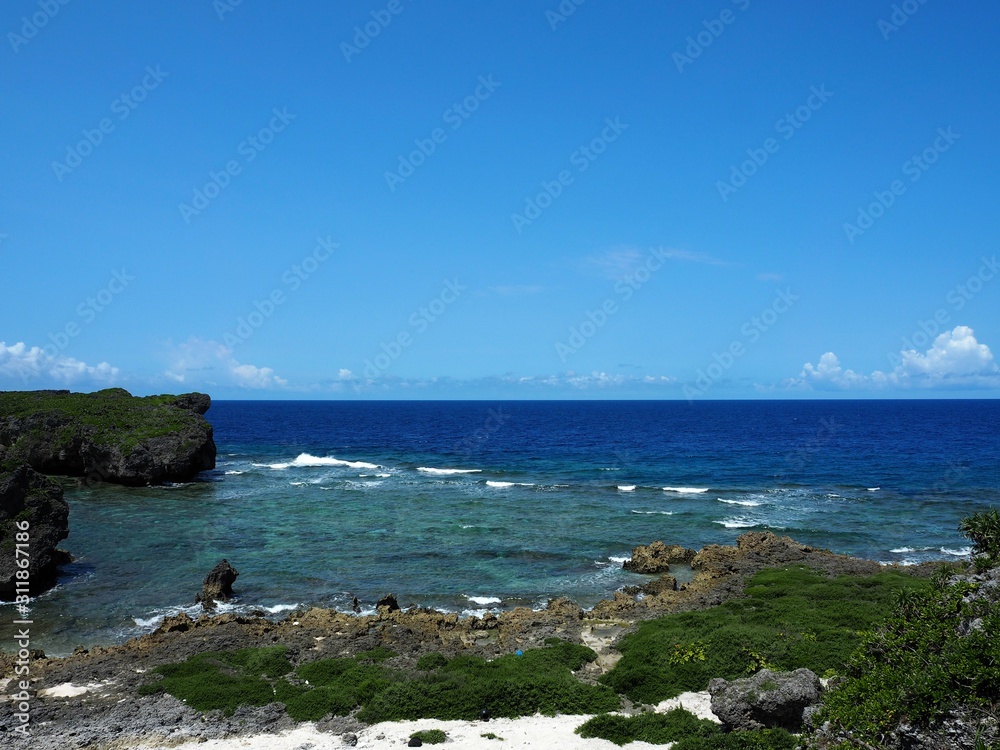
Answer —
218 585
657 558
388 601
765 700
108 436
31 505
356 606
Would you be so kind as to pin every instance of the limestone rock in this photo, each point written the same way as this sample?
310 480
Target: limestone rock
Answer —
765 700
218 584
657 558
27 497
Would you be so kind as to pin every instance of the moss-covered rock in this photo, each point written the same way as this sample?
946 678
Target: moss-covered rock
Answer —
33 514
108 436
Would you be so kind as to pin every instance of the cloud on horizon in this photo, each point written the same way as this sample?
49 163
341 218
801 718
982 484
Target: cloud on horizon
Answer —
954 360
34 363
205 362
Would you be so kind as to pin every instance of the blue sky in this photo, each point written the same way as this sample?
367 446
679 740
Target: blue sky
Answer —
720 199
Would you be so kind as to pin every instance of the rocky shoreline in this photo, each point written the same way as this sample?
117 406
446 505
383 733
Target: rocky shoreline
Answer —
111 714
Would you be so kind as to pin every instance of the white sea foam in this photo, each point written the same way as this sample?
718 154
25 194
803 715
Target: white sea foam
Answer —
280 608
686 490
626 488
491 483
902 550
653 512
874 489
446 472
380 475
619 560
308 460
964 552
234 472
744 503
738 523
483 601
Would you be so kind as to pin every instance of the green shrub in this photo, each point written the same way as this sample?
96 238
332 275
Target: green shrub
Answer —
431 661
657 729
541 680
224 680
915 666
983 530
790 618
761 739
430 736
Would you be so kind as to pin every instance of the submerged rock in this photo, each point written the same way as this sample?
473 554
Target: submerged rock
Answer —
32 505
108 436
766 700
218 585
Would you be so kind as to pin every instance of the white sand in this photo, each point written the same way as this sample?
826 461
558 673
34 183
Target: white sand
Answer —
548 732
67 690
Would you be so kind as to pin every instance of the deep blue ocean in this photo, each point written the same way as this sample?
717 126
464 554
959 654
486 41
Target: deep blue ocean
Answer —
468 506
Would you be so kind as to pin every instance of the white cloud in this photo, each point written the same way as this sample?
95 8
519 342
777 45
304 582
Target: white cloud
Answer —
211 363
626 261
955 359
35 364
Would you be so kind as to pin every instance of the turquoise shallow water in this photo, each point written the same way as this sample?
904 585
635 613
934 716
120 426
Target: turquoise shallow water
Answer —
468 505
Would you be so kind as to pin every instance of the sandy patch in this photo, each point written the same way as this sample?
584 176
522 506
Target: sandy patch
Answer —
67 690
700 704
537 732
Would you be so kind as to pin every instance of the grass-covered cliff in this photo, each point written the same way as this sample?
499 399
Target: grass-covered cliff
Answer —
108 436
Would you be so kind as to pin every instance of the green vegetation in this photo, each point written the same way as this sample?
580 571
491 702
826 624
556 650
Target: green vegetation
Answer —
684 728
430 736
491 736
111 415
937 652
791 618
224 680
983 530
431 661
539 680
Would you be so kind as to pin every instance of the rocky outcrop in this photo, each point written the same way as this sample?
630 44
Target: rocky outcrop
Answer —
108 436
766 700
657 558
32 505
218 585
